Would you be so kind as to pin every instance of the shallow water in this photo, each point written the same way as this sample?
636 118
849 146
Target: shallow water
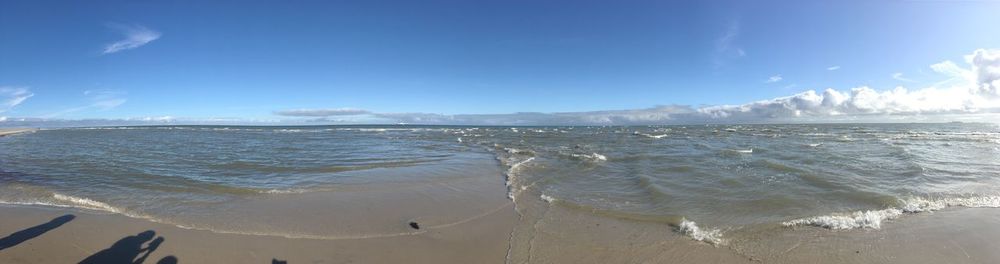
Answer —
706 182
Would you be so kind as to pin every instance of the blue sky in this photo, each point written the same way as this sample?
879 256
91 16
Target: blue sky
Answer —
392 61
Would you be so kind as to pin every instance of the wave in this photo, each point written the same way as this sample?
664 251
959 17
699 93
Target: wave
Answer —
860 219
514 151
650 135
86 203
873 218
591 157
740 151
68 201
548 199
513 159
691 229
284 191
512 178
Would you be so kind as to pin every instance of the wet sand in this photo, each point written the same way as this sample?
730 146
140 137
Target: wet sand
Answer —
464 218
39 235
957 235
480 241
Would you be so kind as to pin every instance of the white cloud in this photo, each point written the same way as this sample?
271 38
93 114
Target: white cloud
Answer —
971 90
774 79
986 68
99 100
105 99
165 119
899 76
725 45
135 36
322 112
13 96
833 68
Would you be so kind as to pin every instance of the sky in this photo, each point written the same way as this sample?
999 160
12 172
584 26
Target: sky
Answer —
498 62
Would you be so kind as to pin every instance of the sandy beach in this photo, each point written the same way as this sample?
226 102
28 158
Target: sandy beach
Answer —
53 235
87 235
466 220
13 131
513 132
459 205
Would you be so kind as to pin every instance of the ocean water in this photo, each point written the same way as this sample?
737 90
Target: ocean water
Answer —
700 181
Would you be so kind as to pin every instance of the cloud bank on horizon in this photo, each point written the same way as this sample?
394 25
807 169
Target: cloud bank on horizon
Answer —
966 91
972 90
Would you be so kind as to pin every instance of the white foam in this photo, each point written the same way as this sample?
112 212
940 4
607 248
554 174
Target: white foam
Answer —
873 218
591 157
651 135
512 177
918 205
33 203
860 219
519 151
85 203
691 229
285 191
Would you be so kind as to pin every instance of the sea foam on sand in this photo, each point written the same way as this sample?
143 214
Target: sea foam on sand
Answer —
691 229
873 218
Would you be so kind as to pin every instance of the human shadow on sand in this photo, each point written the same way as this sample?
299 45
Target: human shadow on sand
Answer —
168 260
128 250
35 231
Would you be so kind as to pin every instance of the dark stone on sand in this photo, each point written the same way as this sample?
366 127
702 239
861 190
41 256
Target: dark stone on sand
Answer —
414 225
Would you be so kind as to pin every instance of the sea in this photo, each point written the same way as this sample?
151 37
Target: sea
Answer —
709 184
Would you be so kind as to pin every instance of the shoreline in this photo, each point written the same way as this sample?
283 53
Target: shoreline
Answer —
961 235
464 218
15 131
456 210
88 234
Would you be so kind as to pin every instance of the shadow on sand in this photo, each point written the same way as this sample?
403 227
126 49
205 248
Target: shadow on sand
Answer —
35 231
128 250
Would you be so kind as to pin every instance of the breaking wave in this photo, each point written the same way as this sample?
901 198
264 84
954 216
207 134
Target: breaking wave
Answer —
873 218
590 157
691 229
